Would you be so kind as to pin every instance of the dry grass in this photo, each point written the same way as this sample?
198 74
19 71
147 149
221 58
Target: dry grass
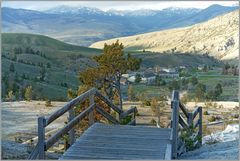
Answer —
210 36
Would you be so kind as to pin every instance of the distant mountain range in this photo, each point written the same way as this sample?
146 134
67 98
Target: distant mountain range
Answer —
218 37
84 25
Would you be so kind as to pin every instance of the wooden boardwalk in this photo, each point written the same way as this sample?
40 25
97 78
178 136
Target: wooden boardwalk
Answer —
120 142
115 141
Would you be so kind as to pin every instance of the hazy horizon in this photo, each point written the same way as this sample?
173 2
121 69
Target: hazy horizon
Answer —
117 5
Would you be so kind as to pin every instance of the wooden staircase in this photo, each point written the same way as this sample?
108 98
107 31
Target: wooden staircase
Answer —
120 142
115 141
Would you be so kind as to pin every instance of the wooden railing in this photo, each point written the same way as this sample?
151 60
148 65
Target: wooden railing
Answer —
184 120
43 145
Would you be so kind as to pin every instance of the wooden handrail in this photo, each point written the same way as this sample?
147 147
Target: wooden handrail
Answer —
178 123
69 105
128 112
34 153
183 122
174 126
175 95
195 112
183 108
107 115
108 102
73 120
54 138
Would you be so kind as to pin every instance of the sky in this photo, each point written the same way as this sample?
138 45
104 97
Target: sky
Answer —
117 5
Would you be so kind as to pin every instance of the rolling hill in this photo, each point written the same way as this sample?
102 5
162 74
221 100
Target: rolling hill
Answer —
48 65
217 37
85 25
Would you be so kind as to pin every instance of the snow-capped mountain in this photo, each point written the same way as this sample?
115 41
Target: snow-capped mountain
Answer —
141 12
74 10
179 10
85 25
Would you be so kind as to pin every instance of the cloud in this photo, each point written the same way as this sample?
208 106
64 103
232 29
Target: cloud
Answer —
118 5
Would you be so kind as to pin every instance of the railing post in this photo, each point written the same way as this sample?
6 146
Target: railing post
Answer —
71 132
175 120
174 123
200 125
41 137
190 119
90 115
134 115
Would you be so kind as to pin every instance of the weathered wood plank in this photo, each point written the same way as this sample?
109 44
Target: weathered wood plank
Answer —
106 115
195 112
41 137
106 142
53 139
124 139
108 102
184 109
71 132
120 145
190 119
90 115
125 127
69 105
182 122
110 156
123 135
34 153
175 95
129 111
168 153
175 118
200 125
160 130
116 150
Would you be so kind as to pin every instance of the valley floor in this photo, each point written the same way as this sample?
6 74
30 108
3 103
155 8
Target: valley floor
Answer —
20 121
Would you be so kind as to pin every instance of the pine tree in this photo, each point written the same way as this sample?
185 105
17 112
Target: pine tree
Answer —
112 63
28 93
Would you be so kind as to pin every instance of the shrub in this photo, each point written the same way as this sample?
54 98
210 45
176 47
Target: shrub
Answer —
147 103
186 136
220 106
48 103
28 93
212 119
126 120
236 116
154 122
205 113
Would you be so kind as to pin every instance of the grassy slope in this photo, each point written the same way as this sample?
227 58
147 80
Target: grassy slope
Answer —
164 60
218 37
66 61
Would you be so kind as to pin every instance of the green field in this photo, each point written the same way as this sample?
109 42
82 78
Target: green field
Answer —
230 86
